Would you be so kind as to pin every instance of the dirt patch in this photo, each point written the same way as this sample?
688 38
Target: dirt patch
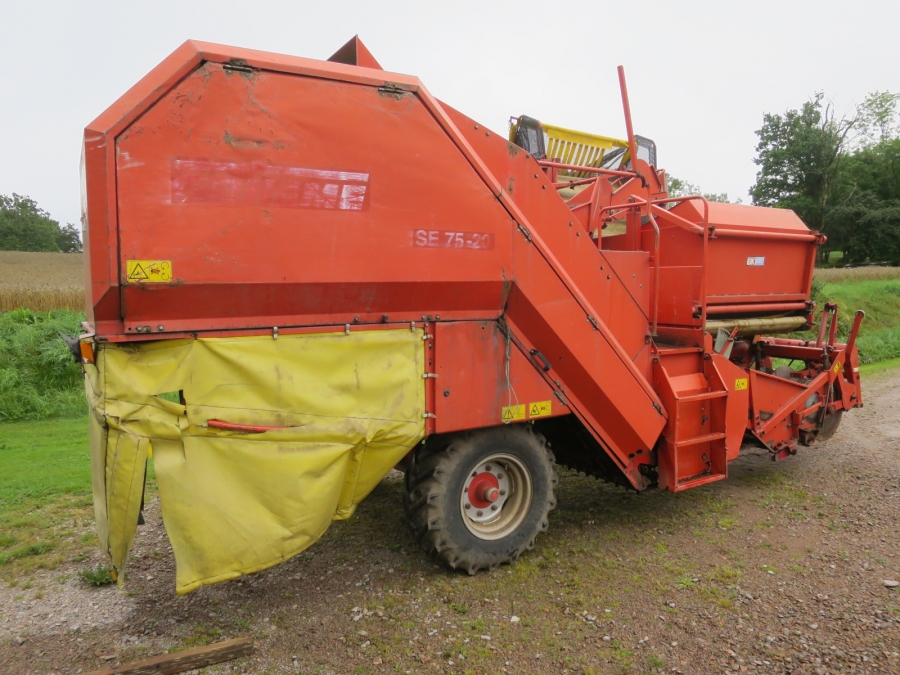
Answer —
779 569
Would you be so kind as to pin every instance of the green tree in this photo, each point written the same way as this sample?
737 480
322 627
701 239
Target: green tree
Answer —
878 119
799 156
24 226
864 221
864 217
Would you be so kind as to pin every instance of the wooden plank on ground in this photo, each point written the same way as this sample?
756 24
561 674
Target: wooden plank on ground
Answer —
178 662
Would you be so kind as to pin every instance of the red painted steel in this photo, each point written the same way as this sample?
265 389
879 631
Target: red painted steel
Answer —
472 388
632 148
309 195
483 490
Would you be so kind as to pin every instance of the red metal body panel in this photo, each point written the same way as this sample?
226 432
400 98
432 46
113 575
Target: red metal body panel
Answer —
259 180
472 389
300 194
743 233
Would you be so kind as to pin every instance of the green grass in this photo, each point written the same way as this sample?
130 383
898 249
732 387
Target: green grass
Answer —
46 502
46 507
871 369
41 461
879 336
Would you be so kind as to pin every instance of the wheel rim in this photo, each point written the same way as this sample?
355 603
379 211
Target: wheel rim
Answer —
496 496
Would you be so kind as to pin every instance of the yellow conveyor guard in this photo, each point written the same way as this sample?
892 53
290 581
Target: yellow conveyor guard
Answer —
579 147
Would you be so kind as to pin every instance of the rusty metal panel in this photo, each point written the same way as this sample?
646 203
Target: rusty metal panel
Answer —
472 389
258 212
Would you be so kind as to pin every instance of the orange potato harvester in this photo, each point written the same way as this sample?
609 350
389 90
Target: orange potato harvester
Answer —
565 301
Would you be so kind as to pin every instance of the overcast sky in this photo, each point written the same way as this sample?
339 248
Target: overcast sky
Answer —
700 74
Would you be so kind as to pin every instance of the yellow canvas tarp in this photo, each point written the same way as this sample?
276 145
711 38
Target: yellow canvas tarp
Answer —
347 408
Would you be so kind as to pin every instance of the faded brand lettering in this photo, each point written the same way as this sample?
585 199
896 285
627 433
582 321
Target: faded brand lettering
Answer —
201 181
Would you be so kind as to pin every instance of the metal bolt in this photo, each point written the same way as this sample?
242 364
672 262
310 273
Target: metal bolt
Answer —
160 327
468 506
502 492
493 507
500 476
487 468
479 513
474 473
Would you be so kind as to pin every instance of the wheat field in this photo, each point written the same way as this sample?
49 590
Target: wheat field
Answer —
41 281
836 275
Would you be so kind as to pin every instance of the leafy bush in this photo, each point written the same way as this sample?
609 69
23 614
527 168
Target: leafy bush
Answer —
39 379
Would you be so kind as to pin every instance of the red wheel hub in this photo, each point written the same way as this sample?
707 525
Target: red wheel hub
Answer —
484 490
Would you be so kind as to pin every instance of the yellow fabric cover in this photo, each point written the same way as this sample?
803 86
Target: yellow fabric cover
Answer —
349 407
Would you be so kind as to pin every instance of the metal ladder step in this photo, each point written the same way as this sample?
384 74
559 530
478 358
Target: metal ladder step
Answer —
699 439
702 397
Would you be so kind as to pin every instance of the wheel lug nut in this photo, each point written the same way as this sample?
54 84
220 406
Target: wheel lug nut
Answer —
493 507
487 468
502 492
500 476
468 506
479 513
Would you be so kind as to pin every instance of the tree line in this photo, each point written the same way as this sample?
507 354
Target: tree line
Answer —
24 226
840 174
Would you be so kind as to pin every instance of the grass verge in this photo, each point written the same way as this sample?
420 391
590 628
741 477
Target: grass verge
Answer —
46 503
46 507
879 335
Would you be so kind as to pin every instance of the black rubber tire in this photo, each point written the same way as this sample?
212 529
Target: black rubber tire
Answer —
435 480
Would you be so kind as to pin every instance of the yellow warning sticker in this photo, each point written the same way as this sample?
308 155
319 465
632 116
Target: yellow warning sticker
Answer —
540 409
148 271
837 367
513 412
740 383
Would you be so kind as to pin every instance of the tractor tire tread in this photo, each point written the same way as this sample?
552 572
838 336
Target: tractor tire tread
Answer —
425 502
